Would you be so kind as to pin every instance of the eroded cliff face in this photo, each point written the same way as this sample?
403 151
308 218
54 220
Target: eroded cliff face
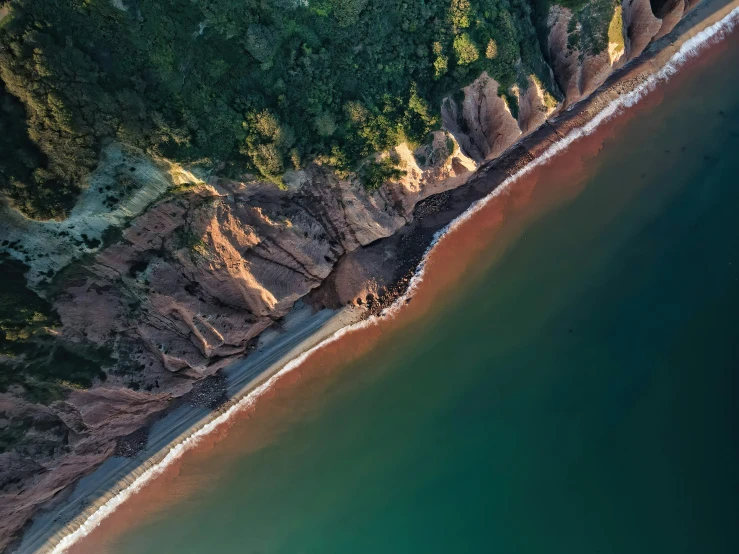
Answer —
202 273
431 169
179 272
670 12
584 48
645 21
640 26
63 442
483 124
534 105
587 45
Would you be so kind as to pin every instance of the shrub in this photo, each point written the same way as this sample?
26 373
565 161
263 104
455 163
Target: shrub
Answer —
376 173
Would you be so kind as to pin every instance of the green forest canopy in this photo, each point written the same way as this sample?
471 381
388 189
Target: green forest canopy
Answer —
265 85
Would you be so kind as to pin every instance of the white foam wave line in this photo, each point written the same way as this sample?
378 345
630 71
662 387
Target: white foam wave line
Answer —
690 49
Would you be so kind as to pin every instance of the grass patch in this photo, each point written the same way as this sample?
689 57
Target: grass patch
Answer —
616 29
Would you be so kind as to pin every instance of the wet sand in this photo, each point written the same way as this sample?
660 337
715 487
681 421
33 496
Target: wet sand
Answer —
453 263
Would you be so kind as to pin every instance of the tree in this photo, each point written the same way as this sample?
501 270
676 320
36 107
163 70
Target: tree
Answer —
325 124
440 66
261 42
347 11
465 49
268 160
492 50
460 14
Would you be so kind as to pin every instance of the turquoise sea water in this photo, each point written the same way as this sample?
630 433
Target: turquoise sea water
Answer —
579 396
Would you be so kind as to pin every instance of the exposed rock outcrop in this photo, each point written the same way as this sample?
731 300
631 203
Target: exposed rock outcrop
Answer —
200 274
534 106
640 26
670 12
66 441
483 124
429 170
563 58
583 57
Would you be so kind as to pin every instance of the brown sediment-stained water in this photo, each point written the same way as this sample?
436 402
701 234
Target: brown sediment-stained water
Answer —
453 264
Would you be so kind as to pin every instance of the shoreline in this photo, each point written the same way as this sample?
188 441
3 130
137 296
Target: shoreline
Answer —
455 265
431 226
298 393
621 91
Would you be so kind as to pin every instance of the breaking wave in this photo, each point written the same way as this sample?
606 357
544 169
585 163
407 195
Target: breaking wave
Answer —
689 50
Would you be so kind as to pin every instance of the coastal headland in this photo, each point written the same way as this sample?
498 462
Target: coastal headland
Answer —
383 274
